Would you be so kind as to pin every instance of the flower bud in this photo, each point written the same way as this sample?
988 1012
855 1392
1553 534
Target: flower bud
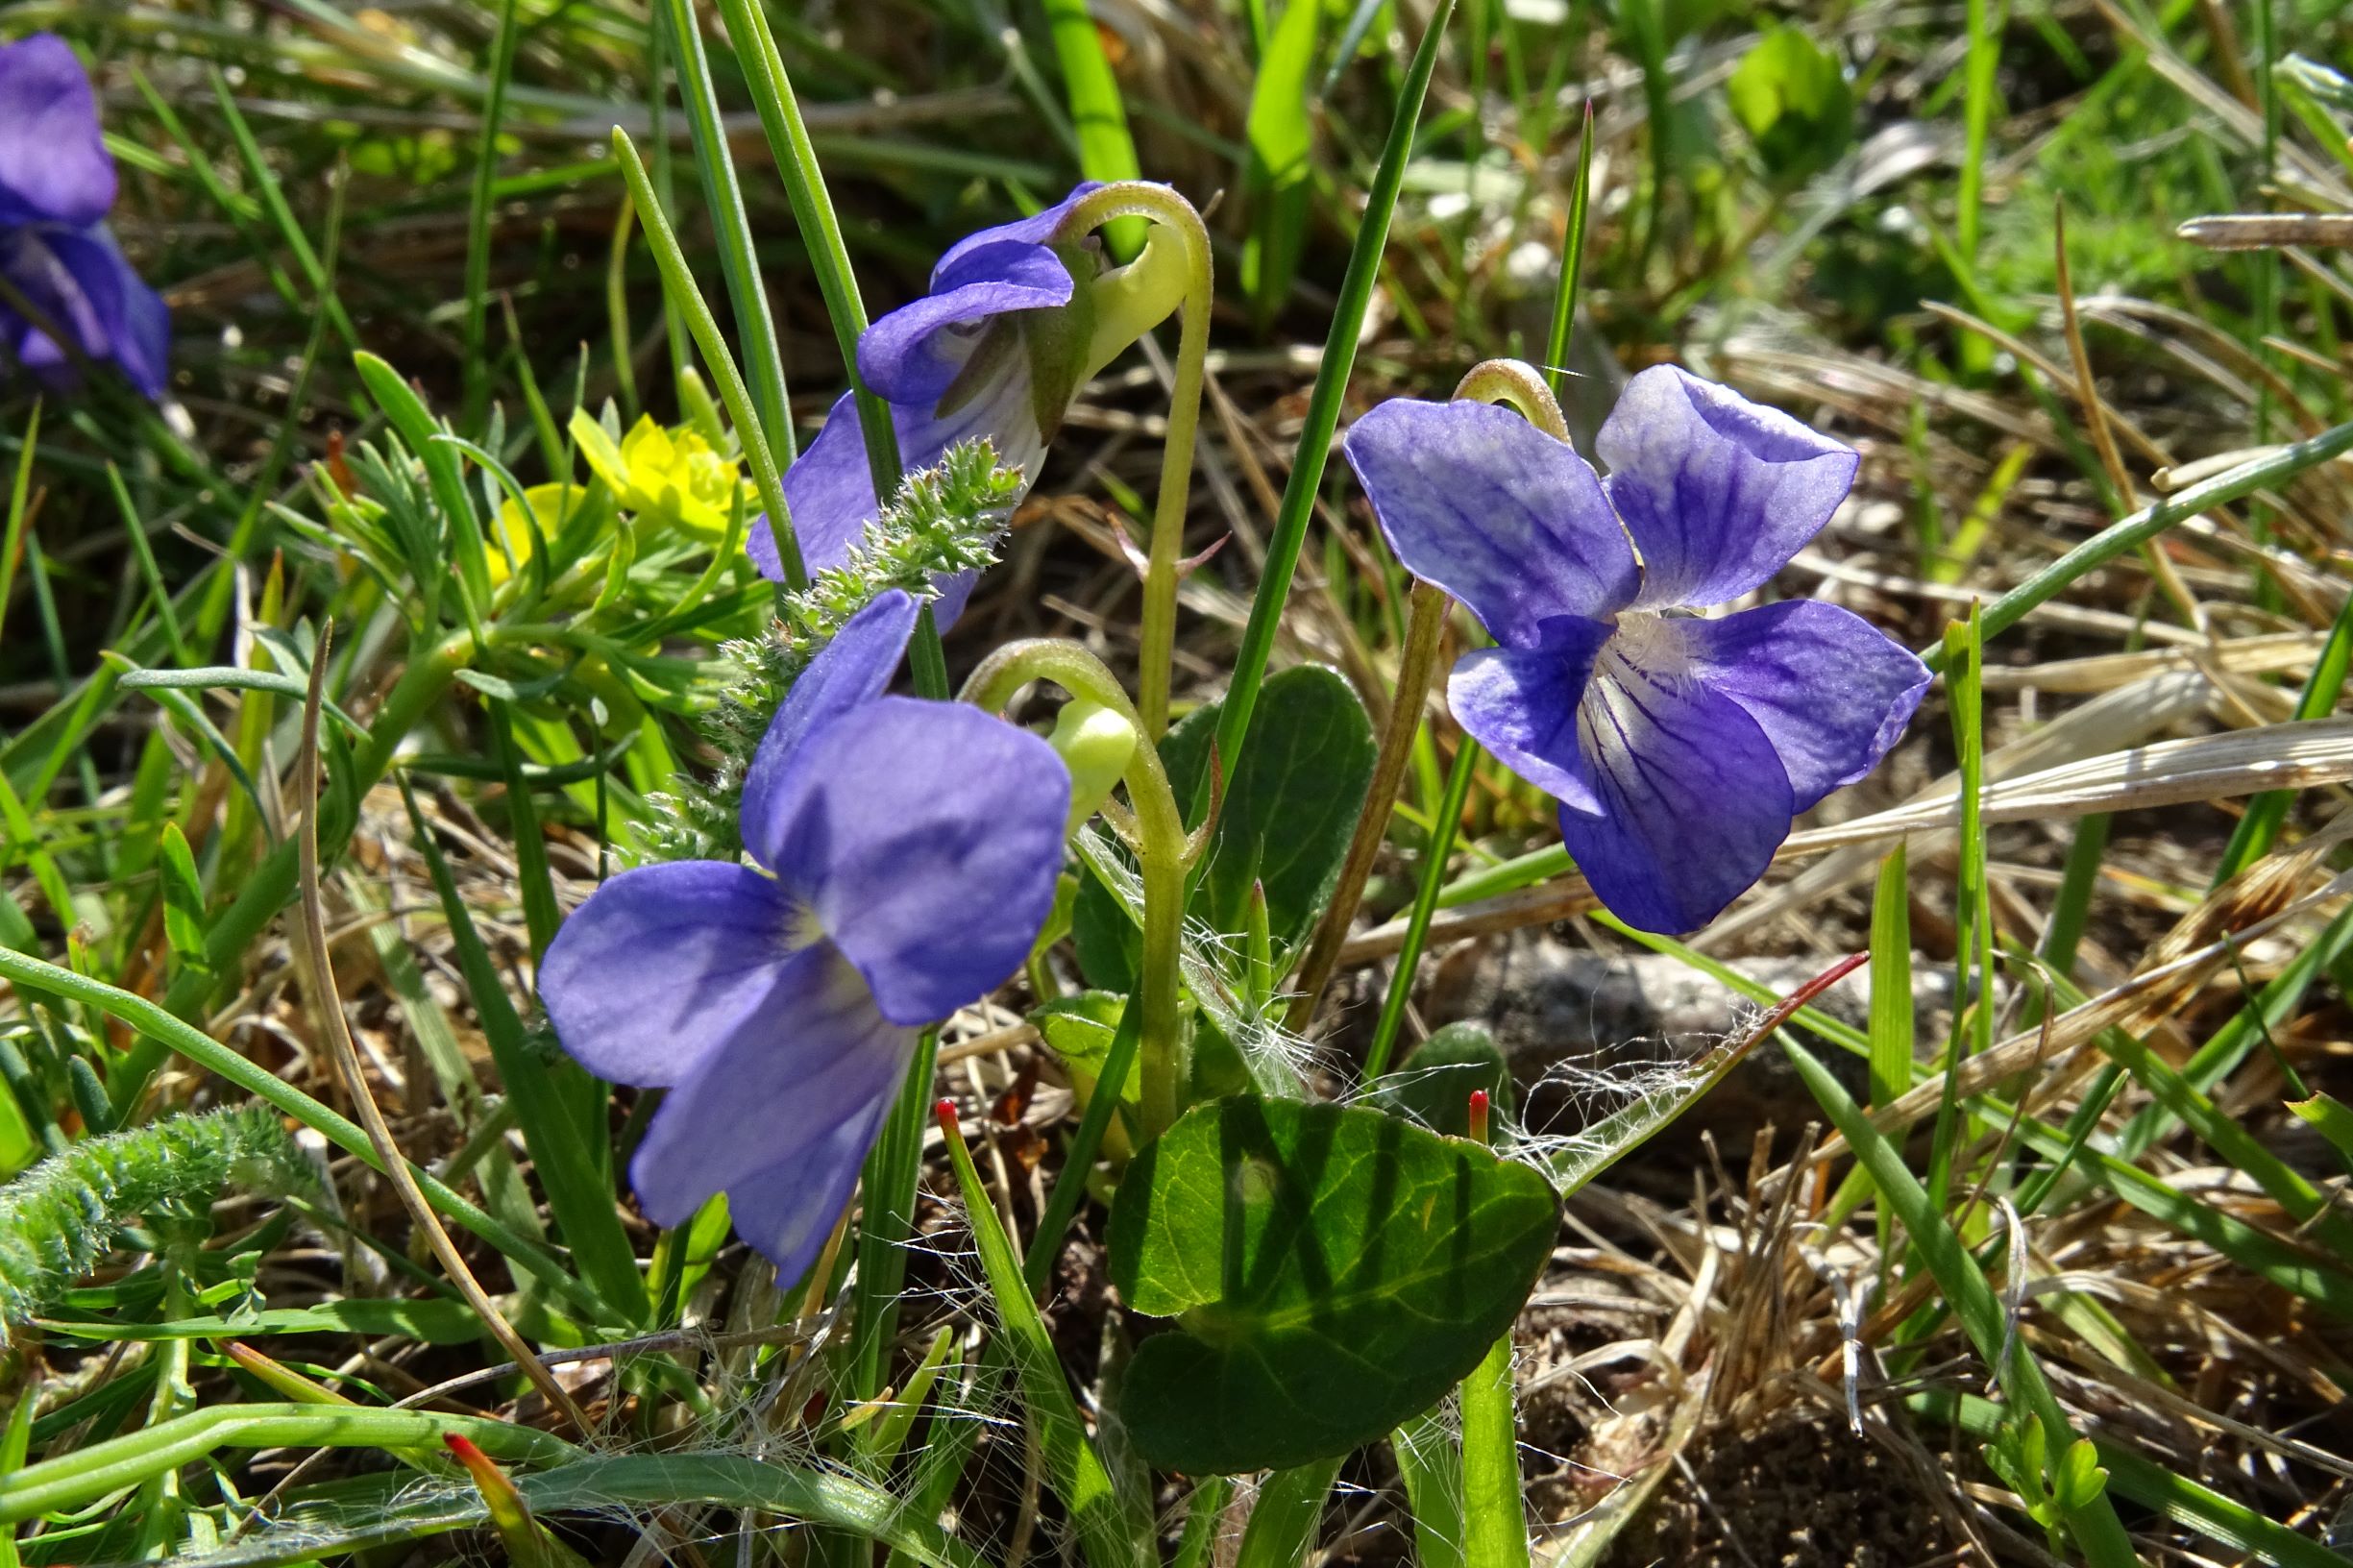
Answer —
1125 303
1094 743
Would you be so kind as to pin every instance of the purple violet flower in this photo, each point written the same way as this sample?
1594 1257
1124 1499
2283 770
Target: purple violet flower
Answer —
1679 746
56 183
906 854
998 348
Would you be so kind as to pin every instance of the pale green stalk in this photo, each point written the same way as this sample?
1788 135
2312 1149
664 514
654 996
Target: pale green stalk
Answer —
1172 212
1161 850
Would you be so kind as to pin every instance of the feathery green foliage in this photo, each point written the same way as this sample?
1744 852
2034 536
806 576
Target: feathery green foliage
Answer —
58 1219
944 520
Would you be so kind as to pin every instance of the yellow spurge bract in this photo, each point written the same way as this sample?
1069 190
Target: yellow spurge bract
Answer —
668 476
553 504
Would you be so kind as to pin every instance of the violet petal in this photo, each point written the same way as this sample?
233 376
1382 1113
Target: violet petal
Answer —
1692 798
913 354
926 836
54 163
855 667
1832 691
1521 704
662 965
1034 230
1483 504
776 1092
1717 491
786 1211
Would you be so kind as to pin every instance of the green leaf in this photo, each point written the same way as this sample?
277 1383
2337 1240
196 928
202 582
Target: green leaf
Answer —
1114 1529
1337 1270
184 896
2330 1117
1284 822
462 536
1794 100
1282 143
1289 806
1433 1086
1080 1029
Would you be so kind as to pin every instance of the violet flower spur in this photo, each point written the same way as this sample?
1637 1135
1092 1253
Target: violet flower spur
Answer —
1679 746
56 183
906 854
1015 324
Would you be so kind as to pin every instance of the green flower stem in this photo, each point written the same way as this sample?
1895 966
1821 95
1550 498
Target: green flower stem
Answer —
1172 212
1424 905
1494 1514
1323 416
1425 622
1160 847
76 1478
678 286
1519 384
1523 387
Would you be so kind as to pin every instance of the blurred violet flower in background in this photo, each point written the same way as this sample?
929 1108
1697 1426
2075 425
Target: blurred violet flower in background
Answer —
906 851
57 183
1679 746
1014 326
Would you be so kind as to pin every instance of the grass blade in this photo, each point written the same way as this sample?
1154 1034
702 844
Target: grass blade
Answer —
738 259
1106 149
578 1193
1290 1505
1113 1531
1323 416
686 298
1572 261
1972 1298
477 219
2272 469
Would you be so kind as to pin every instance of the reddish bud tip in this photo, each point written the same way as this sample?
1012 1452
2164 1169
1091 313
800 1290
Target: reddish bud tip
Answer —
463 1447
946 1111
1479 1115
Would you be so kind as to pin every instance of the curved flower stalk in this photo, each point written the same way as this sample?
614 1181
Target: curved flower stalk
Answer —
57 257
1155 831
905 853
1680 746
1019 318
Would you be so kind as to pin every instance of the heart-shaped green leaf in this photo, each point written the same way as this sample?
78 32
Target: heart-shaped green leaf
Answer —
1433 1086
1336 1269
1789 92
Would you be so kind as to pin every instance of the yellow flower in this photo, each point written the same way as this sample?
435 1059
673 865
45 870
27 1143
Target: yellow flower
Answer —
553 504
673 476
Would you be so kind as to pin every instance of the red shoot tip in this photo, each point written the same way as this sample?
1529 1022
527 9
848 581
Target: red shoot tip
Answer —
1479 1115
946 1111
463 1447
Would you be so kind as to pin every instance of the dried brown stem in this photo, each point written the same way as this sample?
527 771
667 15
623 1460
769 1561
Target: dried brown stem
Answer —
1424 625
311 927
